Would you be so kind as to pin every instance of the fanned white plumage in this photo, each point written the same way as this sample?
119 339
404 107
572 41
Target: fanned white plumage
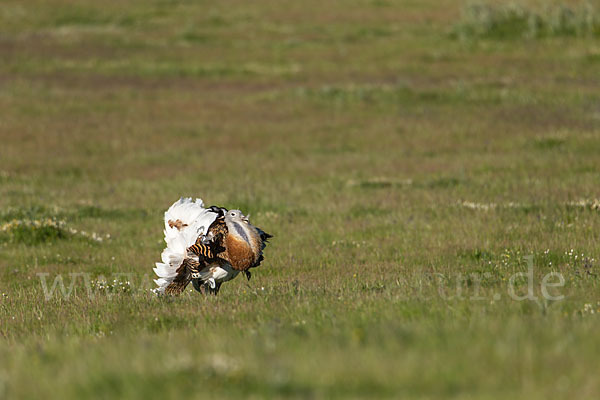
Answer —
192 220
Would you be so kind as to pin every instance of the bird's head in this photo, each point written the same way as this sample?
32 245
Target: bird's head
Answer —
235 216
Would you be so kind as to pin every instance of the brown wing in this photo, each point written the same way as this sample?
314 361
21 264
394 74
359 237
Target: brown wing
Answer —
206 251
217 233
217 228
211 250
183 278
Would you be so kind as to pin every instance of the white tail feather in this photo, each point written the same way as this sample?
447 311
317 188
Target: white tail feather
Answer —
185 220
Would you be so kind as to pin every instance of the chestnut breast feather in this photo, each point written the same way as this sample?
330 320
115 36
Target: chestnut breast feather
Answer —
240 253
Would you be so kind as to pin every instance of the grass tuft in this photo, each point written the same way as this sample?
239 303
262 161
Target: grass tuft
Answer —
514 21
32 231
549 143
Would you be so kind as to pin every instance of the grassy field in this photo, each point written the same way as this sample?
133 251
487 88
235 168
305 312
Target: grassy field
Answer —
407 156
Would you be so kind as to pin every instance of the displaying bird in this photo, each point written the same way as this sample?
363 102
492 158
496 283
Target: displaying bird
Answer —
206 246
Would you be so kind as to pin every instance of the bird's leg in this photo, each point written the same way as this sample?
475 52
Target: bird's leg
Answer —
215 290
197 285
201 287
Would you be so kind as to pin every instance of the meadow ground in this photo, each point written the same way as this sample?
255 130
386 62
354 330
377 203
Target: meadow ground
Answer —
407 156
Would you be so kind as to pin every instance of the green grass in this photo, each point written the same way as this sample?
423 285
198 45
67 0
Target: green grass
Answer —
404 173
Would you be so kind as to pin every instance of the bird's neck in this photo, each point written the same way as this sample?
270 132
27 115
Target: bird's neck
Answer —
240 231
